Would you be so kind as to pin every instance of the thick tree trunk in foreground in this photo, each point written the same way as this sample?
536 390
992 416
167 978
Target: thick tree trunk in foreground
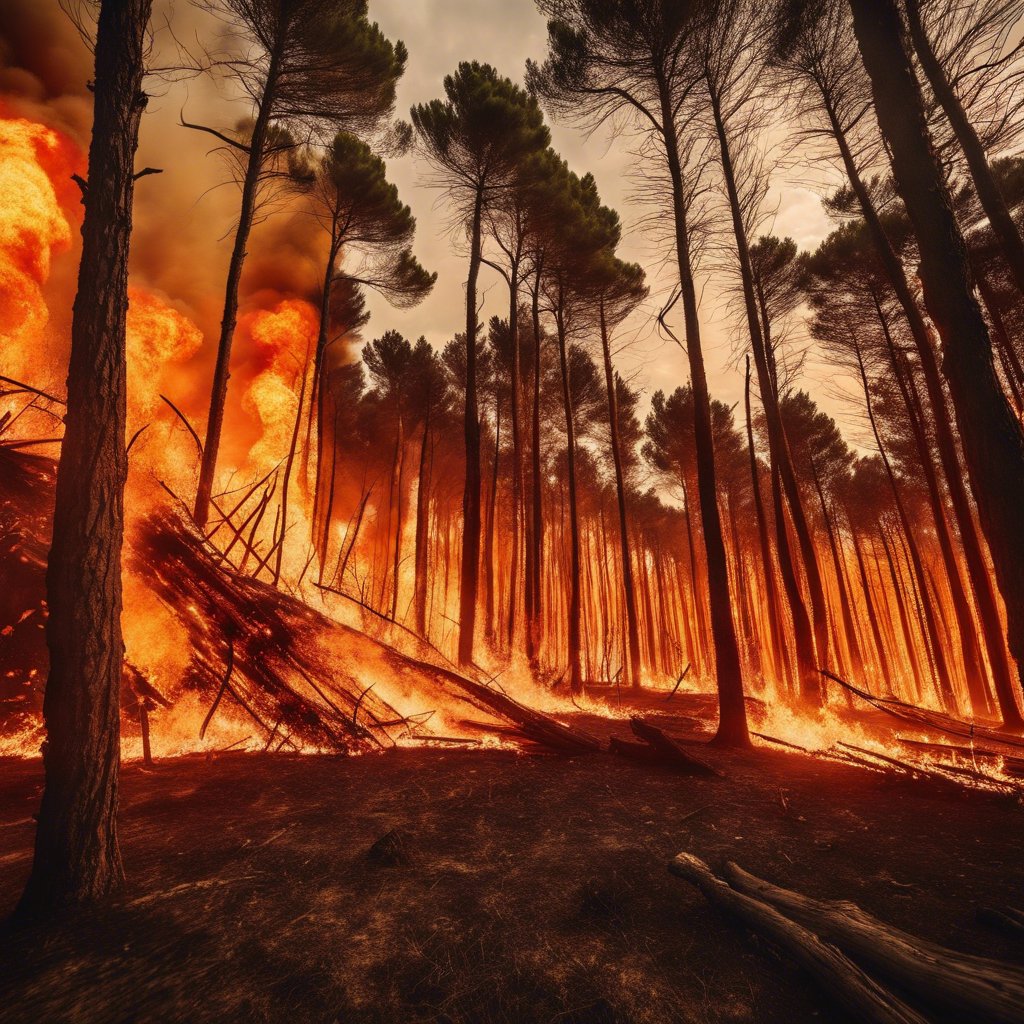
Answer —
978 574
76 855
470 574
993 439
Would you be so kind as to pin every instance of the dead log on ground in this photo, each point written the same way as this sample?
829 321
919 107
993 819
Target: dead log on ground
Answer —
669 751
984 991
840 978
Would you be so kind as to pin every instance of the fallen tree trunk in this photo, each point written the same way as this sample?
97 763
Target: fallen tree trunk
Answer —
838 976
669 751
983 991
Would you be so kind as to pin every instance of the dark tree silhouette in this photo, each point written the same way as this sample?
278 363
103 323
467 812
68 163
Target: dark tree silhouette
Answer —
76 855
993 439
608 59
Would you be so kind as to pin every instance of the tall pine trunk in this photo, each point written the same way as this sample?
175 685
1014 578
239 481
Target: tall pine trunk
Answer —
992 436
246 217
628 586
573 649
76 854
470 572
778 446
732 722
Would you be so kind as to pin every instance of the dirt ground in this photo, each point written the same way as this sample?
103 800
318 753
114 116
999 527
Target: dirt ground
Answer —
524 888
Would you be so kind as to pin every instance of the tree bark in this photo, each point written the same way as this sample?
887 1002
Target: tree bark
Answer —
778 645
778 445
573 650
973 987
422 527
535 547
938 647
77 858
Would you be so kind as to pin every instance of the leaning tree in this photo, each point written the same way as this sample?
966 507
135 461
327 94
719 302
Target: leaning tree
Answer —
310 68
369 231
992 435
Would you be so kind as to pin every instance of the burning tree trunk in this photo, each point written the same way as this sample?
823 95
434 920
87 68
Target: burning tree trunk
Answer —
993 439
76 855
629 590
575 671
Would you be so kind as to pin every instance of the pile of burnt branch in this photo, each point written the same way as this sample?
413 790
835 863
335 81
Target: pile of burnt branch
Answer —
299 676
265 650
867 968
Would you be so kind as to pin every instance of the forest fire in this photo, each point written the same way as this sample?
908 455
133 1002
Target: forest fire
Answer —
667 513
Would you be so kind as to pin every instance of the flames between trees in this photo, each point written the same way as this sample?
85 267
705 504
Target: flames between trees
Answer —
365 542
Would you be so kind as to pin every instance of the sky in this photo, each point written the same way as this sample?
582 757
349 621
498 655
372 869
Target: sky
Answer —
441 33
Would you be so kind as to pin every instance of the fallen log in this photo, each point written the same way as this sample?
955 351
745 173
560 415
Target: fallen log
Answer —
935 720
669 751
841 979
983 991
1010 763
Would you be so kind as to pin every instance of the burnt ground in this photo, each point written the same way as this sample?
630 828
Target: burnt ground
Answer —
527 888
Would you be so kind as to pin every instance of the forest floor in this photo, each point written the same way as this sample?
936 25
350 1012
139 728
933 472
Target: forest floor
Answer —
528 887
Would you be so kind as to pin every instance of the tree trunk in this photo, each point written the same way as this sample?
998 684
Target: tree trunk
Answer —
869 602
844 598
632 628
535 547
422 524
778 643
732 722
518 507
288 469
573 651
490 627
470 573
992 202
778 445
993 440
973 665
246 216
932 631
76 853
